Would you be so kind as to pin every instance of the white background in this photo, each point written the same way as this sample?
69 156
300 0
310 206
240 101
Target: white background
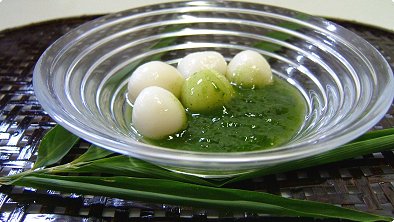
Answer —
14 13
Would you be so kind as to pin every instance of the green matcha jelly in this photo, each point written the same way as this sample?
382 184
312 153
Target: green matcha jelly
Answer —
254 119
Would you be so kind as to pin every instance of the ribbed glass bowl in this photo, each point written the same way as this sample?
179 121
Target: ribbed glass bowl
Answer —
81 80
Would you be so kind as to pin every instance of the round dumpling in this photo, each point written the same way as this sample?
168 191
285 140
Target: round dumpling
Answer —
198 61
157 113
249 69
206 90
154 73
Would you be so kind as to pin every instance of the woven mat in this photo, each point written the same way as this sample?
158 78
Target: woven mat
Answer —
364 183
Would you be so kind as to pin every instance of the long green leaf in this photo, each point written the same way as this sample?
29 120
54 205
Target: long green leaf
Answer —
128 166
358 148
171 192
375 134
54 146
93 153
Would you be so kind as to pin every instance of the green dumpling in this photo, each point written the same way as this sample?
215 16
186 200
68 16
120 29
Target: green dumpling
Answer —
205 91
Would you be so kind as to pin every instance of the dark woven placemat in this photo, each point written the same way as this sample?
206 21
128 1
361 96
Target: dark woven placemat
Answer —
364 183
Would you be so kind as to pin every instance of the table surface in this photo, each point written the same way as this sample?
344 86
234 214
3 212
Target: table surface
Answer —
364 183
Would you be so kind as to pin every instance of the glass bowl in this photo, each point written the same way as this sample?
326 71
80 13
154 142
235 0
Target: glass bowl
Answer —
81 79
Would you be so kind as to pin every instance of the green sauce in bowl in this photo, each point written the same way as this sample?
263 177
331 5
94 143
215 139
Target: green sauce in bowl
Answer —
254 119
